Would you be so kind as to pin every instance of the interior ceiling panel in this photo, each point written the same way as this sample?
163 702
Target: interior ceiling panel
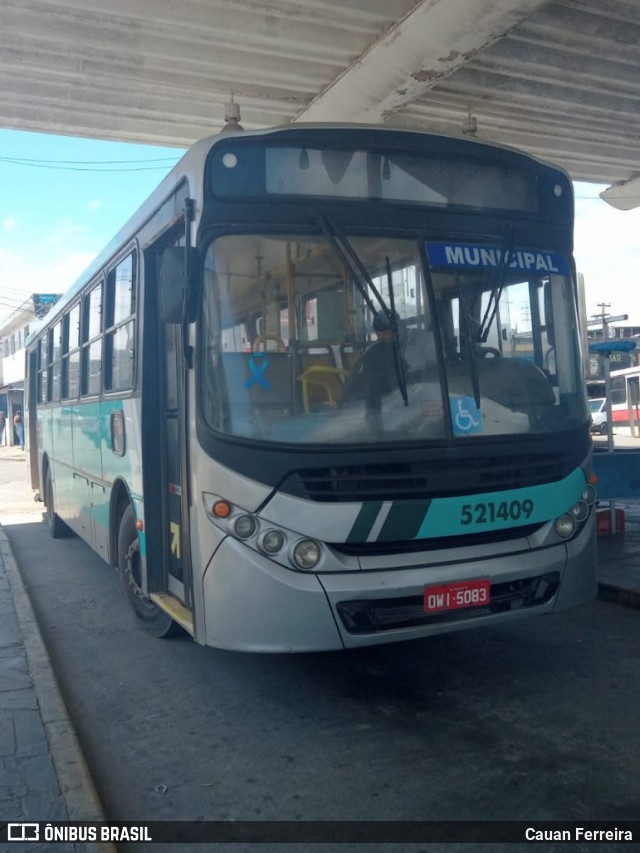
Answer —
559 78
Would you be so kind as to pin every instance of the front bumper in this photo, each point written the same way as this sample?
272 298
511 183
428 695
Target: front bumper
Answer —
254 604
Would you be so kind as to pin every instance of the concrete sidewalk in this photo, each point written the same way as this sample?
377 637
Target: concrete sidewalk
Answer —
619 558
43 774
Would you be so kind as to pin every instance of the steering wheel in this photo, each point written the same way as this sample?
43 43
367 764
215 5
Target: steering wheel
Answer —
484 352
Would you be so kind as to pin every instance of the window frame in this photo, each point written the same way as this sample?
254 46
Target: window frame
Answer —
115 323
87 343
68 352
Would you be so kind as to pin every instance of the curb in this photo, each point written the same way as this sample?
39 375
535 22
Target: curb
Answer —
74 778
619 595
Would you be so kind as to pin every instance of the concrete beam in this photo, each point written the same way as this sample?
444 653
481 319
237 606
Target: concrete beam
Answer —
428 44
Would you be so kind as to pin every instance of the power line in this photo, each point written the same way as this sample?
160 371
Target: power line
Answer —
48 161
44 165
13 303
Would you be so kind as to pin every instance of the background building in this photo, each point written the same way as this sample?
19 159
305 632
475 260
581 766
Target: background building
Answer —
14 329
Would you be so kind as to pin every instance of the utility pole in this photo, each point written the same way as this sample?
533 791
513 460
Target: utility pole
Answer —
603 318
607 373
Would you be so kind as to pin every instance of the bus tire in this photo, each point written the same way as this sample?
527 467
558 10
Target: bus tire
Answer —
57 528
603 428
154 620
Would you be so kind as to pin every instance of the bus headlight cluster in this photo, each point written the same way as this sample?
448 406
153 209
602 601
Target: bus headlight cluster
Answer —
566 526
580 511
245 526
306 554
273 541
569 522
286 547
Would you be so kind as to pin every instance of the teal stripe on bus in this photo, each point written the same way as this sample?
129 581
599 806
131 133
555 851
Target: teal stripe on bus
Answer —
458 516
365 521
403 521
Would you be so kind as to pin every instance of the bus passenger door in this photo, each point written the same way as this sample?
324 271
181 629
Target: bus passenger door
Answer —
174 462
164 438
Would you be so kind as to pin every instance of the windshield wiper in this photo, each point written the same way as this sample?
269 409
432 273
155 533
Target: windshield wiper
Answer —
496 292
471 344
361 277
480 336
397 351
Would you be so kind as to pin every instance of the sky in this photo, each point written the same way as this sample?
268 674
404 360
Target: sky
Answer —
62 199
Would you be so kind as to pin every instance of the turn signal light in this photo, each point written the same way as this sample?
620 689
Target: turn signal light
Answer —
221 509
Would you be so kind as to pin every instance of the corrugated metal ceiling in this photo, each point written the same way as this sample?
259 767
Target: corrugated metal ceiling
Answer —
560 79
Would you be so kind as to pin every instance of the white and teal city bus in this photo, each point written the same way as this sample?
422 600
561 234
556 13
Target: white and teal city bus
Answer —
324 390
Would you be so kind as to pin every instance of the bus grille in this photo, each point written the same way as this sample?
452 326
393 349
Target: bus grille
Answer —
425 479
374 616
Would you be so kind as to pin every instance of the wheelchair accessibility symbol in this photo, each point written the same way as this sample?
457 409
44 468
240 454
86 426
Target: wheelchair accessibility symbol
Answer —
466 417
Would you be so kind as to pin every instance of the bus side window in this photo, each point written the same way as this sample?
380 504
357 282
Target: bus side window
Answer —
120 326
618 390
91 360
71 354
43 368
55 369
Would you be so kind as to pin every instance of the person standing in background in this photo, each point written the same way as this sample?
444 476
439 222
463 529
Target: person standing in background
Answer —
3 424
18 425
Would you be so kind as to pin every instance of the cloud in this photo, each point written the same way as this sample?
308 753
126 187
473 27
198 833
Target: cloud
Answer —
66 231
94 204
21 272
9 223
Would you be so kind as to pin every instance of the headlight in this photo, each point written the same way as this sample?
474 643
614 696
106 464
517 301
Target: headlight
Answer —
272 541
589 494
565 526
244 526
580 511
306 554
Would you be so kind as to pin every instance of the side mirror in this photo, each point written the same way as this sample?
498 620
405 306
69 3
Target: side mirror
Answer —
177 281
172 280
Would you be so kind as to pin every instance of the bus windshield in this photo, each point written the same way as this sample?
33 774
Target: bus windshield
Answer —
297 348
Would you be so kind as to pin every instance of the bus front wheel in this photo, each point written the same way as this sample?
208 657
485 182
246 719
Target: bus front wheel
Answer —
154 620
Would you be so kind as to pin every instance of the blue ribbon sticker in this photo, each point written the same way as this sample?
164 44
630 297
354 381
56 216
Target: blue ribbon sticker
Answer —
256 372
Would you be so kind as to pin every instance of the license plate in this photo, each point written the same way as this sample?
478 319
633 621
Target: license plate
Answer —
457 595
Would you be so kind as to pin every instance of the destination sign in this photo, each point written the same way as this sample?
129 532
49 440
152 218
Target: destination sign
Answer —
473 256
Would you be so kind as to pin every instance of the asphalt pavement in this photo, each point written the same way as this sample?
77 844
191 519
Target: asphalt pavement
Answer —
44 776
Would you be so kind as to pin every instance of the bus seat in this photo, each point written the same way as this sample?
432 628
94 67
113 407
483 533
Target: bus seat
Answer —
259 379
321 380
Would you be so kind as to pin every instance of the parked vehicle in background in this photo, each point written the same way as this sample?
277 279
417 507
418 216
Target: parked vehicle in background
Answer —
598 410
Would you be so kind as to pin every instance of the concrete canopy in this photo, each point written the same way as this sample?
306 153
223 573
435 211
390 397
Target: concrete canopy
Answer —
558 78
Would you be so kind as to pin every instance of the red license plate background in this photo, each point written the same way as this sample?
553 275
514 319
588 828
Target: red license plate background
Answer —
457 595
